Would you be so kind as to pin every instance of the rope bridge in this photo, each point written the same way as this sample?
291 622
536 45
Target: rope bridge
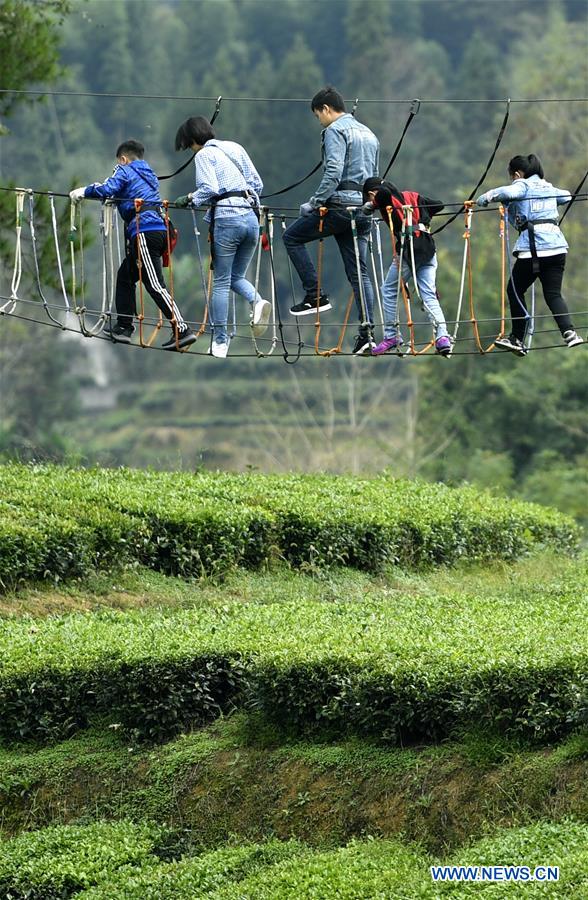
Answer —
72 314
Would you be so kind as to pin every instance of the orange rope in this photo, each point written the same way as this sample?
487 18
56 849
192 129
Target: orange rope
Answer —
339 347
322 213
502 280
468 204
202 328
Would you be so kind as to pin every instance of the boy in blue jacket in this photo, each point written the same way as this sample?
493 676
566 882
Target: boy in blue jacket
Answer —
131 180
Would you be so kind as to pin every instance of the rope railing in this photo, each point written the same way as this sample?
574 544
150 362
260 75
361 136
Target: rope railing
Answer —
57 313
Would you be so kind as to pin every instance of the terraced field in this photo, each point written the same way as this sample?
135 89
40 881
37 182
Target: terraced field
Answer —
249 686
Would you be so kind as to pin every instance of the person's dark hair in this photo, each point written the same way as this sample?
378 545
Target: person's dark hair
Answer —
376 184
528 165
196 130
130 148
328 96
371 184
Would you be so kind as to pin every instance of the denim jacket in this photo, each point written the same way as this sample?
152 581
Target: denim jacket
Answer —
529 199
350 152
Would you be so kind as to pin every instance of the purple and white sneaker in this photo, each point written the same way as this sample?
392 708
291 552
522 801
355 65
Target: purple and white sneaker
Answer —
443 345
387 345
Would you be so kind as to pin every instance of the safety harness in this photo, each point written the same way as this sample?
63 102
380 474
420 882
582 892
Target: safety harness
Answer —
527 225
214 200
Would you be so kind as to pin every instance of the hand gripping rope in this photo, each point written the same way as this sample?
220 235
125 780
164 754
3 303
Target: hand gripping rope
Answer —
10 304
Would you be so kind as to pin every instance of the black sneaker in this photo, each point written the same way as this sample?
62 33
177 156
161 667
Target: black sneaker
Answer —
513 344
364 344
309 305
184 340
122 334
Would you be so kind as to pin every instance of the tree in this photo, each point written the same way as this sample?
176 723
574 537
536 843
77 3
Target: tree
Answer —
36 395
29 46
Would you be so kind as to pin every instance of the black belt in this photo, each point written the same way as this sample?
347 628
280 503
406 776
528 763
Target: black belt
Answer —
213 202
349 186
530 227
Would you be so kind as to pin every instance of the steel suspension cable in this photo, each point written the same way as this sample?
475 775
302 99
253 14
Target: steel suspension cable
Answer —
486 170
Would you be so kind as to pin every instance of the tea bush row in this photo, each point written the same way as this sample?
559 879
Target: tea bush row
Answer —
60 861
125 861
61 523
401 667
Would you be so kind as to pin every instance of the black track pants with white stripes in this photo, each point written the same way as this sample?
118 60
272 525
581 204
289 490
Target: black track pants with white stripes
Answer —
153 244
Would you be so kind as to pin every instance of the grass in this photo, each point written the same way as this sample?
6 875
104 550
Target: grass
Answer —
244 778
140 587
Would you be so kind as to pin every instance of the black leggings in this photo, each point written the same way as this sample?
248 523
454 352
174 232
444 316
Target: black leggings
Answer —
551 271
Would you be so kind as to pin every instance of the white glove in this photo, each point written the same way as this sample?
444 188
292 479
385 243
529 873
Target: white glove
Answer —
306 209
484 199
77 194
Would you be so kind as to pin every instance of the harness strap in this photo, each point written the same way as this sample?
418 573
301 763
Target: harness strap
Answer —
530 227
349 186
414 108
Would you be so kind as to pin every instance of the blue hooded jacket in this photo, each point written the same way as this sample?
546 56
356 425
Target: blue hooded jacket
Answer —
128 183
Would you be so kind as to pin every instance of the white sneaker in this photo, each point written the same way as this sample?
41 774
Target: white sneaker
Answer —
260 316
219 350
572 339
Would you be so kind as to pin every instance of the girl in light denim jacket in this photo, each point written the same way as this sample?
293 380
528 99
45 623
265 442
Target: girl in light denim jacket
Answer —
540 250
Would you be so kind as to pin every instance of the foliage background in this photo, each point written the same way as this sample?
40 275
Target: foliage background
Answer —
515 427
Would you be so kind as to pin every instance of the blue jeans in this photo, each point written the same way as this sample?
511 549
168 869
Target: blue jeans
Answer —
337 222
235 240
425 275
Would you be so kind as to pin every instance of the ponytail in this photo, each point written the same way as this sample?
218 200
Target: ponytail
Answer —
528 165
